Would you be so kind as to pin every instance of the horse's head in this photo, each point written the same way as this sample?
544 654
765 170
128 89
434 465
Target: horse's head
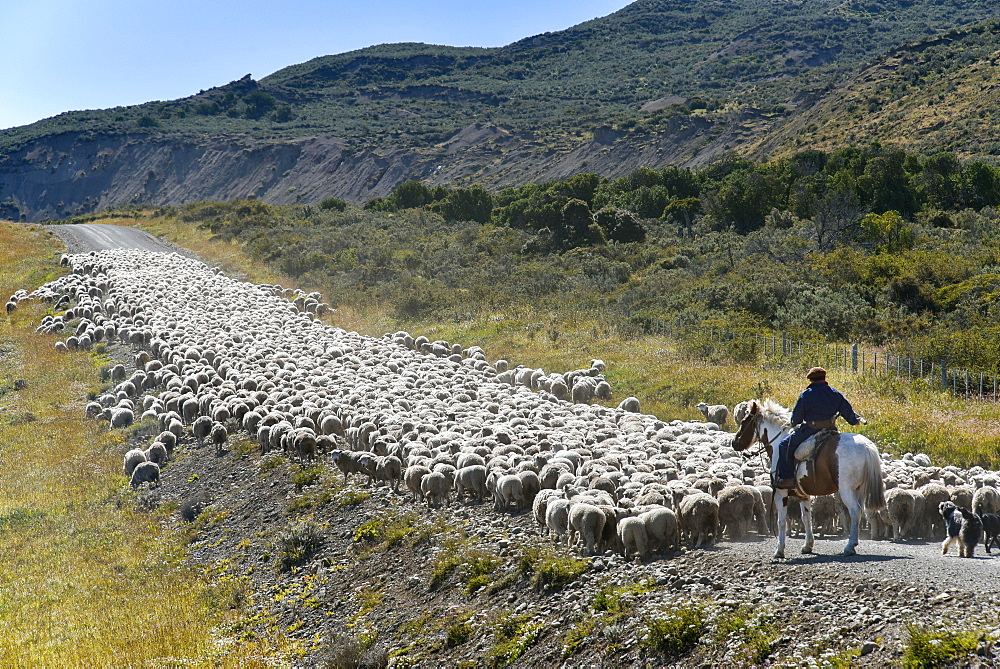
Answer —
747 432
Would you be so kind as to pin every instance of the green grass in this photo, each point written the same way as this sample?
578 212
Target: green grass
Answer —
391 528
512 636
925 648
621 598
295 544
78 558
747 635
474 566
577 634
548 570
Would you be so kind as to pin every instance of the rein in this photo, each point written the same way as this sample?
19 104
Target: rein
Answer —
765 442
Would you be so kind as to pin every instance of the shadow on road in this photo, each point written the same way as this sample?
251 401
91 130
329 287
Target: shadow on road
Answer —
853 559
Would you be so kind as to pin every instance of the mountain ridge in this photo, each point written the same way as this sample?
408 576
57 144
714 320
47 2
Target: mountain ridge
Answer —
712 77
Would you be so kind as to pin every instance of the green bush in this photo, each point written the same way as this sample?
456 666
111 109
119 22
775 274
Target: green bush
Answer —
333 204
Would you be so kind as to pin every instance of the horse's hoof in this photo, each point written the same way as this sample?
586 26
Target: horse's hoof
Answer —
807 550
849 551
779 555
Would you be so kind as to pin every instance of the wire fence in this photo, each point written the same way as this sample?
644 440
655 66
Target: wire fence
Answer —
853 358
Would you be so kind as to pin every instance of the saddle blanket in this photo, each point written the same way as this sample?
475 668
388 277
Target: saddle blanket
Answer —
808 449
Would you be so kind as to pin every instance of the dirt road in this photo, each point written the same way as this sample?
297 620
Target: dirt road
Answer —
86 237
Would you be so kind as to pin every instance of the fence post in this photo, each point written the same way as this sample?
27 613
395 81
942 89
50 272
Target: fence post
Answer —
854 358
944 375
784 343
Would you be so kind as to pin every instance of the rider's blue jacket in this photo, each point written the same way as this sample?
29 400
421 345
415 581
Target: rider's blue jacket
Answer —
822 402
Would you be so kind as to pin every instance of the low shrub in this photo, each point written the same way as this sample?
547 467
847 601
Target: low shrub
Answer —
549 571
296 544
939 647
675 631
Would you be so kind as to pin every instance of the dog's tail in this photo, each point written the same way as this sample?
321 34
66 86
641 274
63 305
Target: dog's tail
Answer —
873 487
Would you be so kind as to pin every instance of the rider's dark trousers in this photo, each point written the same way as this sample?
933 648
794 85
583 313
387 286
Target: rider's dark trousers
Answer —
786 450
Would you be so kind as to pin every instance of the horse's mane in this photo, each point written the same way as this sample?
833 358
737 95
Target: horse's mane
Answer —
771 409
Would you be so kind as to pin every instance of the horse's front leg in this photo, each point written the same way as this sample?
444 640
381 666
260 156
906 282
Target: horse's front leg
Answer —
807 523
780 498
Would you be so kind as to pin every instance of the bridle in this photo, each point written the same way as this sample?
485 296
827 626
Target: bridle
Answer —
760 436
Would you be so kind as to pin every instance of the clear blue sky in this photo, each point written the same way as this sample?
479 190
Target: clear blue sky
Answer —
64 55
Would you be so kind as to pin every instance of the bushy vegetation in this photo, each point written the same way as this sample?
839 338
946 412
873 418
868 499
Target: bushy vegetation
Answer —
548 570
677 630
871 244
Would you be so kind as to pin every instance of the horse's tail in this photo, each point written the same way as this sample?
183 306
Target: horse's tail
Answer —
873 487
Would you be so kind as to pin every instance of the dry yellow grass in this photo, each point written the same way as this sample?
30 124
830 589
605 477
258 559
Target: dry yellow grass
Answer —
85 579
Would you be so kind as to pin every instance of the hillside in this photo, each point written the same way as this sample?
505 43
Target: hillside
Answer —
656 83
935 95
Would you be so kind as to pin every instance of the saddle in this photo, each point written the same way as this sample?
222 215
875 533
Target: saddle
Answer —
809 448
818 456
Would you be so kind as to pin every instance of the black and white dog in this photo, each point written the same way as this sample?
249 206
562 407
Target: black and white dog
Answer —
991 530
963 526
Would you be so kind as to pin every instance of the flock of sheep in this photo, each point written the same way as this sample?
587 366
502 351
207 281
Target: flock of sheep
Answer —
214 356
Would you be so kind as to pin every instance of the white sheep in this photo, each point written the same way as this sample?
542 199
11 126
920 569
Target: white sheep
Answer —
586 521
133 459
471 480
557 518
630 404
986 500
699 519
219 435
276 369
412 478
632 535
349 462
122 418
740 411
540 505
737 507
157 452
661 529
716 413
434 487
904 510
508 491
932 525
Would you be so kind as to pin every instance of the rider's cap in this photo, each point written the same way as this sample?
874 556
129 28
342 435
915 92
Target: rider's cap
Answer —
816 374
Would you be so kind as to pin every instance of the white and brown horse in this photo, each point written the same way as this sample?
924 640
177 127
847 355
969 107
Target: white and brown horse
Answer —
850 466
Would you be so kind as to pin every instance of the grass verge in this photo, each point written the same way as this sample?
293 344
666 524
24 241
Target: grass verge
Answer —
84 577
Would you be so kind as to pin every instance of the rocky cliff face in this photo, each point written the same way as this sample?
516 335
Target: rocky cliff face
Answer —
75 173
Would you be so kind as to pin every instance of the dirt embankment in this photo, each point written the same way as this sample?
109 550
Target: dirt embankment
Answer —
75 173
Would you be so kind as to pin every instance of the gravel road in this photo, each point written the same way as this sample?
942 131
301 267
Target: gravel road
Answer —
87 237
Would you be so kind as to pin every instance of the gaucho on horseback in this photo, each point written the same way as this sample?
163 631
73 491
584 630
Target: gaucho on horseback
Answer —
815 410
